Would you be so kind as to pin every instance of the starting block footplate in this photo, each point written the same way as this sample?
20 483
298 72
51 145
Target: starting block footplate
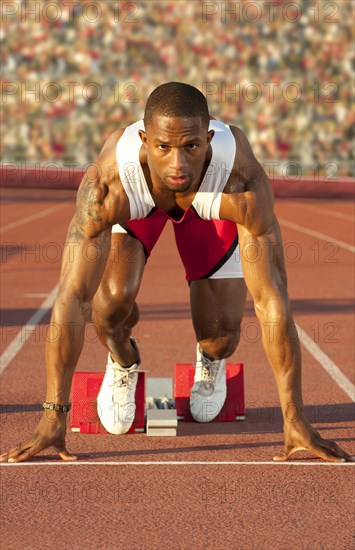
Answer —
234 406
84 414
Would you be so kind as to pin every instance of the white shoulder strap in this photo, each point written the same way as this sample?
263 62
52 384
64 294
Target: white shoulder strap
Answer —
207 200
131 173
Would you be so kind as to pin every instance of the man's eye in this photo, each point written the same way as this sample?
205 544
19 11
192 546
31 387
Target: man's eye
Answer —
191 146
163 147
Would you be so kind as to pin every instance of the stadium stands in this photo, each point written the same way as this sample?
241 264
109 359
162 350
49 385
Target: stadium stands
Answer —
72 77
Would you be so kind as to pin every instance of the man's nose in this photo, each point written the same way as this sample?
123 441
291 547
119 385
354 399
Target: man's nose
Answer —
177 160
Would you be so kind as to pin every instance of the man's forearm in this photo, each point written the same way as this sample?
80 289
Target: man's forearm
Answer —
282 348
64 344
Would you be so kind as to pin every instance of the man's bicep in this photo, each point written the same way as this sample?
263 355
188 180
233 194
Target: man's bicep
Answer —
91 213
98 198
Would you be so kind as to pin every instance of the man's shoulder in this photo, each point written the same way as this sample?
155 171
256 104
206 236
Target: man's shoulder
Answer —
111 142
106 162
101 184
242 141
244 153
243 161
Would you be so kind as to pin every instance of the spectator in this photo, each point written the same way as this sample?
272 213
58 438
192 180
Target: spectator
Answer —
127 54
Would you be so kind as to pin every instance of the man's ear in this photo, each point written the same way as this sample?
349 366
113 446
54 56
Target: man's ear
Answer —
210 136
143 136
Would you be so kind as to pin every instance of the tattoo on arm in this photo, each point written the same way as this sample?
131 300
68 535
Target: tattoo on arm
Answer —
74 232
90 202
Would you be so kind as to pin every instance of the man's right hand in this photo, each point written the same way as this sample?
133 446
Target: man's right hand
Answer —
50 432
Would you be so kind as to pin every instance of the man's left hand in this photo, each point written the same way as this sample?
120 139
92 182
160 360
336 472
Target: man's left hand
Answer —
301 436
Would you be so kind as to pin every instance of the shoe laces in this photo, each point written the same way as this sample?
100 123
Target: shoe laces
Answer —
122 379
209 370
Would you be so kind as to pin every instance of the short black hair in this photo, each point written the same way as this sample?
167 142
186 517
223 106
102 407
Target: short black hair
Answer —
176 99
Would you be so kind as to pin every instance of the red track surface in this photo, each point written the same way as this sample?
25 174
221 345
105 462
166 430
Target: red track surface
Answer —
245 506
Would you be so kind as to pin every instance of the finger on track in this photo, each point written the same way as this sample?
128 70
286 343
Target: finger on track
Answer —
63 451
65 455
21 447
325 455
27 452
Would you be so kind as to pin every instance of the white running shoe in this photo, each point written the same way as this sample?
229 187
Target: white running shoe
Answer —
116 404
209 391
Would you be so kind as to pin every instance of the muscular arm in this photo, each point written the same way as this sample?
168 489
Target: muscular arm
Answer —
265 276
83 265
85 255
264 270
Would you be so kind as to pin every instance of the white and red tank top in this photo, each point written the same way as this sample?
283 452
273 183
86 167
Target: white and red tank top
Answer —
207 201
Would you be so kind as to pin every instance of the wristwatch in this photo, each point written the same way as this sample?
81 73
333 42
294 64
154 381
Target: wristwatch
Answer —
55 407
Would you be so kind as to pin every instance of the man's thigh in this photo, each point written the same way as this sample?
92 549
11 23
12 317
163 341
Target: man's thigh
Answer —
217 307
124 270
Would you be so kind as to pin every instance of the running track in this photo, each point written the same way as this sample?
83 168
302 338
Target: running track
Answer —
135 492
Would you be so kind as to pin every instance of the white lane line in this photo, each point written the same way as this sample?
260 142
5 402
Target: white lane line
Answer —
33 217
328 365
179 463
326 211
316 234
26 330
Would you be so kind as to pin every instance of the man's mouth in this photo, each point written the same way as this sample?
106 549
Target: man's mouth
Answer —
178 180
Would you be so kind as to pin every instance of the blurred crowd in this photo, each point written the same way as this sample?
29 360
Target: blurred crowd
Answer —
72 75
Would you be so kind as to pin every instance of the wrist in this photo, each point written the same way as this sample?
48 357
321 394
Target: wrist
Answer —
293 411
57 407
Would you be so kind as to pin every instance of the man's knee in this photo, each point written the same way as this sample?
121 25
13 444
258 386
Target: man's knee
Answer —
220 347
113 303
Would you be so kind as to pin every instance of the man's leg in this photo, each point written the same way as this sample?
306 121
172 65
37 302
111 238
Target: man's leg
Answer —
115 311
217 307
210 253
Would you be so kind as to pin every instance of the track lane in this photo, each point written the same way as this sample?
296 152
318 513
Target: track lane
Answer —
253 505
321 282
338 208
185 509
333 228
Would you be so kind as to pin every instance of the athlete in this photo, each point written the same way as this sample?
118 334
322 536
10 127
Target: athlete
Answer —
176 164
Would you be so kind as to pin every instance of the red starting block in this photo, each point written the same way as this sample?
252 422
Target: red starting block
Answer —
234 406
84 416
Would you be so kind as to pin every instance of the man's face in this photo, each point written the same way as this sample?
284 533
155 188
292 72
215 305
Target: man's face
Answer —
176 150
